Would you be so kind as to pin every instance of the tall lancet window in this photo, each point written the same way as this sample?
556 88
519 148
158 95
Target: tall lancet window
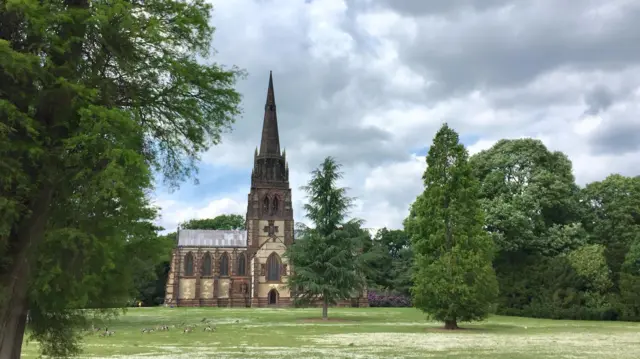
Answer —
242 265
265 205
224 265
206 264
273 268
274 205
188 264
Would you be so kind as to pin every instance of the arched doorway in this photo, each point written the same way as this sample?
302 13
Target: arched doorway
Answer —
273 297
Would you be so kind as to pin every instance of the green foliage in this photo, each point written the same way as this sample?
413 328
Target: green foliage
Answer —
550 287
325 267
150 262
526 189
534 214
562 238
328 204
390 268
94 96
223 221
630 283
326 259
590 263
611 218
561 250
453 278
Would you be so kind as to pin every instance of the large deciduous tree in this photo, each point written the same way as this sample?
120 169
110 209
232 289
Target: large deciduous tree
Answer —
453 278
526 190
532 211
612 218
326 257
94 95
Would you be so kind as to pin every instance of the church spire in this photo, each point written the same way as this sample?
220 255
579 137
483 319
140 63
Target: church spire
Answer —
270 143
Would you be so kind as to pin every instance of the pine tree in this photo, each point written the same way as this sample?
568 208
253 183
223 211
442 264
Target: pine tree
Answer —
453 277
325 257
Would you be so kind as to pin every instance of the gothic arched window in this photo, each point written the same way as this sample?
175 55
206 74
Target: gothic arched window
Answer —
206 264
273 268
265 205
188 264
274 205
224 264
242 264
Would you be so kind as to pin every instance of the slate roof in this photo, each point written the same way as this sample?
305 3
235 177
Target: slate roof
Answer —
212 238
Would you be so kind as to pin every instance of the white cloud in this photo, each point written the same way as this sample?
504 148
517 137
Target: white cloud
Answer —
175 212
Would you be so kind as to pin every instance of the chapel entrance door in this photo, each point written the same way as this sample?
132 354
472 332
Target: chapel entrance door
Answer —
273 297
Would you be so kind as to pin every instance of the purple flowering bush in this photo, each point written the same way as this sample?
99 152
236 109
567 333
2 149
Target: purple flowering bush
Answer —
386 299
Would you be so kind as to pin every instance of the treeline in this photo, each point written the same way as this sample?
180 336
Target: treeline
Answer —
561 251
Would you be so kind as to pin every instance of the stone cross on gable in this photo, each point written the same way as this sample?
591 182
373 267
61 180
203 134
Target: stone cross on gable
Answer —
271 229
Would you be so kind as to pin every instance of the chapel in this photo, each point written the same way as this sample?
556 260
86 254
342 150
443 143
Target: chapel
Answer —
244 268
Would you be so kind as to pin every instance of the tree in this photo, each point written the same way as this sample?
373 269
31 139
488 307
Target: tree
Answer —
525 190
454 279
326 258
151 262
532 211
390 269
611 219
630 283
223 221
94 96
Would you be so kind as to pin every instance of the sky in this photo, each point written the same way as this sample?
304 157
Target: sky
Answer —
370 82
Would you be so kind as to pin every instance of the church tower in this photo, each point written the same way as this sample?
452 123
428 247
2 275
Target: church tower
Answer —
269 212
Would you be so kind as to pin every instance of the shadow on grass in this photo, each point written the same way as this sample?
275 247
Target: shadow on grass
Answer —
331 320
475 328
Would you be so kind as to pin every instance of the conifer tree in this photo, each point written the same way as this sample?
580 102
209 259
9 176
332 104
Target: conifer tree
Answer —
325 257
453 277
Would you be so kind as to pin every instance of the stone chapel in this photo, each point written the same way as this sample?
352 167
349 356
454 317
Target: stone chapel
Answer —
243 268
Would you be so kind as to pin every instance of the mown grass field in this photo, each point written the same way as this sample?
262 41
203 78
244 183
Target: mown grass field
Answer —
353 333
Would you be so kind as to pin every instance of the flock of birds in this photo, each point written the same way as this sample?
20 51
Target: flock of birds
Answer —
101 332
206 324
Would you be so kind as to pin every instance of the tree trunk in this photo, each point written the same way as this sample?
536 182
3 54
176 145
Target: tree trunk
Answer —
325 309
14 284
451 324
13 329
14 313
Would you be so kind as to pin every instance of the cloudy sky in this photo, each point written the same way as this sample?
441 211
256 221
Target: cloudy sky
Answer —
370 81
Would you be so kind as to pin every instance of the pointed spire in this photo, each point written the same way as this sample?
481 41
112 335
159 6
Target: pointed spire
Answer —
271 97
270 143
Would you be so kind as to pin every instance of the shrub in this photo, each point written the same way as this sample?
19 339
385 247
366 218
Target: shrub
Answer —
388 299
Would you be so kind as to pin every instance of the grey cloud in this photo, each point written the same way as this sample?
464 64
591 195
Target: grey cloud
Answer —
528 100
484 51
598 99
322 100
617 136
439 7
356 134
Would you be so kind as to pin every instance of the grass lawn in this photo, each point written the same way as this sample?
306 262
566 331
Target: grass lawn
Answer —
353 333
